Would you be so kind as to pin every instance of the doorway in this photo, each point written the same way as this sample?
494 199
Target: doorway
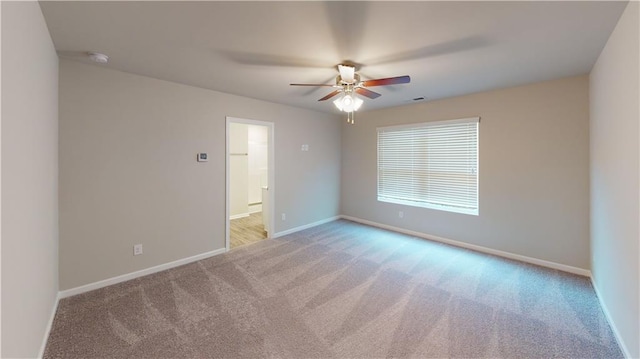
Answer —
249 181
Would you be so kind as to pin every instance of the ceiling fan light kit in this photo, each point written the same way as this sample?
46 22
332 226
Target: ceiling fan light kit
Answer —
348 103
348 83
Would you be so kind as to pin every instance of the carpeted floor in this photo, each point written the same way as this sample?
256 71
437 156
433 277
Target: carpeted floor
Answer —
340 290
246 230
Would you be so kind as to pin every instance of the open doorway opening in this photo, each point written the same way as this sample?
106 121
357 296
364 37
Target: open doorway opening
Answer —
250 184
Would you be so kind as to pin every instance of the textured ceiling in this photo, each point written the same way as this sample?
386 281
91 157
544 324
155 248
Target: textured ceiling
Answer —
256 49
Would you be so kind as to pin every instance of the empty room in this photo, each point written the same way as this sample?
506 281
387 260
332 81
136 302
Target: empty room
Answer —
320 179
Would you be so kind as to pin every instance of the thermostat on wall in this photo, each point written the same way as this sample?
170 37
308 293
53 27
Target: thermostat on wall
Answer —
202 157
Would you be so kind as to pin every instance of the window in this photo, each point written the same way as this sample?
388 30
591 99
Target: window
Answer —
432 165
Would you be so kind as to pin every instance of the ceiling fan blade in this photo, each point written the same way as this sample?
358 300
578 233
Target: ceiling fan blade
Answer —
323 85
368 93
257 59
330 95
388 81
442 48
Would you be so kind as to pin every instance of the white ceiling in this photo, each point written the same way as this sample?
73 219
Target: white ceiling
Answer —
256 49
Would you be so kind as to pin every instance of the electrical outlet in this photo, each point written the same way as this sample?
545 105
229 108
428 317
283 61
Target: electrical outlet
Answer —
284 216
400 214
137 249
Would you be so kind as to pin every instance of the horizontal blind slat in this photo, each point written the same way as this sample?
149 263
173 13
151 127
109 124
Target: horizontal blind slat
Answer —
430 165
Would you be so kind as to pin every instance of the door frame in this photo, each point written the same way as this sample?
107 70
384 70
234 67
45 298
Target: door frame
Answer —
270 173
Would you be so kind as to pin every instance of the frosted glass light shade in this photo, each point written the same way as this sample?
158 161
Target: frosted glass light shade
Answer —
357 104
348 103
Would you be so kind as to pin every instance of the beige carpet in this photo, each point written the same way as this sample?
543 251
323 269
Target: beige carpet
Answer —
246 230
340 290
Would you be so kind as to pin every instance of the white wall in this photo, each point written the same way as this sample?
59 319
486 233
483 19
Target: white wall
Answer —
29 179
534 171
248 167
615 178
128 172
238 169
258 161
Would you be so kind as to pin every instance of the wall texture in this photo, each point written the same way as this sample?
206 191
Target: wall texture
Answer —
128 172
615 178
534 171
29 179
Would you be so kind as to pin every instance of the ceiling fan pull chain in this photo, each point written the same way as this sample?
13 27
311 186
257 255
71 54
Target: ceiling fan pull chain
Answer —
351 117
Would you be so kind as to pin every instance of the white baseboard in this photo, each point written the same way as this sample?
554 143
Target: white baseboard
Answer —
614 329
306 226
241 215
518 257
125 277
255 208
47 331
147 271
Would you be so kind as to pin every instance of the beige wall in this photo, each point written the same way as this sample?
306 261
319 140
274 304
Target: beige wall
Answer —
29 179
615 178
534 170
128 172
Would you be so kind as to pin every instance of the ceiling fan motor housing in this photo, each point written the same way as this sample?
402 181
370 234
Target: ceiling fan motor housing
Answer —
339 81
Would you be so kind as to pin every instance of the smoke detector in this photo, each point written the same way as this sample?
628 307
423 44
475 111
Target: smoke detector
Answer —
98 57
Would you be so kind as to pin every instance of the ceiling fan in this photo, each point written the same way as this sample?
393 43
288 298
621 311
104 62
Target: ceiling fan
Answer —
348 83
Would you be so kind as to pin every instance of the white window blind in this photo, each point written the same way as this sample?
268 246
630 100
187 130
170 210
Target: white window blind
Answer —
432 165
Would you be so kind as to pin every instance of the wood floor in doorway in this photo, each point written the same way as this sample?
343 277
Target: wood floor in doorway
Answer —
247 230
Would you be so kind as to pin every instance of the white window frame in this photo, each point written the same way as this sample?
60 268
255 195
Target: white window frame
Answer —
415 185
